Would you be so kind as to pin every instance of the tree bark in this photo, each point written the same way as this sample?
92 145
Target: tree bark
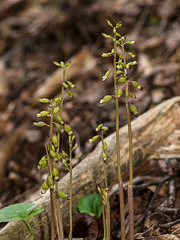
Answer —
150 131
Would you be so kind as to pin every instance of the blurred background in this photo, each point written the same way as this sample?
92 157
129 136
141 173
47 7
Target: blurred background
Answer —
34 33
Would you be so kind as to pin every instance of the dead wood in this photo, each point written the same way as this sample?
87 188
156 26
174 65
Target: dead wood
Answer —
150 131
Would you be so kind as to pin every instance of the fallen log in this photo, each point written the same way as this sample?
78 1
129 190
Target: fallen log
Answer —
149 132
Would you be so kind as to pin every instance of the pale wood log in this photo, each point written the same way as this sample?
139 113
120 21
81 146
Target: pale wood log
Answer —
81 63
149 132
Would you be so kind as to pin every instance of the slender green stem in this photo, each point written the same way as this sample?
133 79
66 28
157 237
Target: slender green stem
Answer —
59 223
121 193
30 228
107 219
70 190
104 223
130 187
50 170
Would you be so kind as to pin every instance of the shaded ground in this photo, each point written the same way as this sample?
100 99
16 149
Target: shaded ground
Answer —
33 35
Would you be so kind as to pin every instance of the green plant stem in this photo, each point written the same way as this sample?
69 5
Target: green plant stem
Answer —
130 186
50 170
107 219
121 192
70 193
30 229
104 223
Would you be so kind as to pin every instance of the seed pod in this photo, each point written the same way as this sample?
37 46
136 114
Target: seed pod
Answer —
107 98
42 114
104 156
106 75
57 100
55 140
93 139
42 164
52 154
134 110
130 42
53 148
62 194
65 85
50 181
40 124
56 179
122 79
98 127
45 187
71 84
55 172
131 54
106 36
105 146
119 24
58 64
132 95
106 55
120 92
70 94
136 85
67 128
56 110
44 100
104 128
109 23
59 118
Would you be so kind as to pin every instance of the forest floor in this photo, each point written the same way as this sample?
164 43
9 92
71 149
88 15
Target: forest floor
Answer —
36 33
